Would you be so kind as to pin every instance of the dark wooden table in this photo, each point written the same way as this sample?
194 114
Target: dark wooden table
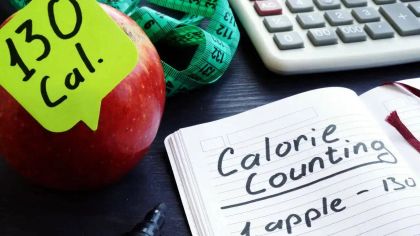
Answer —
30 210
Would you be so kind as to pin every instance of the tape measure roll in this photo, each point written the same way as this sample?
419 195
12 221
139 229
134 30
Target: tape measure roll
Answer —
215 44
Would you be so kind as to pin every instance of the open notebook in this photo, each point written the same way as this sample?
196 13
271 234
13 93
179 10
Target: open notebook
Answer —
323 162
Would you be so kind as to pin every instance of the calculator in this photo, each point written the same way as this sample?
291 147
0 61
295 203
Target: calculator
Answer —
305 36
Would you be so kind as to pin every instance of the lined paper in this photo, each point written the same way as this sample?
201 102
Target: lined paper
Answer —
383 100
260 172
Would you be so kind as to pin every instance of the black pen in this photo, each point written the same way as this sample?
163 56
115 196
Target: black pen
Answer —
151 224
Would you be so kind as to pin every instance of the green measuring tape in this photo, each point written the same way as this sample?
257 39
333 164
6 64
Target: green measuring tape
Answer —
215 44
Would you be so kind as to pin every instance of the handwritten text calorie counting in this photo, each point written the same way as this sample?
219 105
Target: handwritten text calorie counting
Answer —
332 156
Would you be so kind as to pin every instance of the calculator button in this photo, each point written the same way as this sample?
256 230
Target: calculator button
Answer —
415 8
381 2
277 23
268 7
365 14
288 40
355 3
351 33
297 6
402 19
310 20
379 30
322 37
338 17
327 4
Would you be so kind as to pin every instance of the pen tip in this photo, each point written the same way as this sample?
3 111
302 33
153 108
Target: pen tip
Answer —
162 207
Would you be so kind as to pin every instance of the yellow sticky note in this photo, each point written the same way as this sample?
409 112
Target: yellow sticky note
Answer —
60 58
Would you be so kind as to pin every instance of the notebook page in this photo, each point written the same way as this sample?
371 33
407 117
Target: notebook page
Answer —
312 164
381 101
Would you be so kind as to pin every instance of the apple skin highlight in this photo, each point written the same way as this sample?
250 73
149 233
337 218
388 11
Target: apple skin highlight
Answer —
81 159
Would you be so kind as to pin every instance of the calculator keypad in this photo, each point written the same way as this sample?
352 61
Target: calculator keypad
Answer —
297 6
366 14
338 17
322 37
351 33
310 20
327 4
267 7
329 22
415 8
381 2
403 20
355 3
277 23
288 40
379 30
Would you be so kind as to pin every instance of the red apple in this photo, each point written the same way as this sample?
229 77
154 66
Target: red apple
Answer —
81 158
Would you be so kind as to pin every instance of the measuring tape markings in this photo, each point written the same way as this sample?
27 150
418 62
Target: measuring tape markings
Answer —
212 58
154 24
196 7
192 19
216 44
